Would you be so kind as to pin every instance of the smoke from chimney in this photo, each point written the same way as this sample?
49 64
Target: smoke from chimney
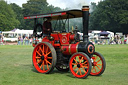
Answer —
72 4
77 4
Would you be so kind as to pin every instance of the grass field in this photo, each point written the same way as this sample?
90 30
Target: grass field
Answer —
16 68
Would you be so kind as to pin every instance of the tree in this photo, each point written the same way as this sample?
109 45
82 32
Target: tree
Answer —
7 17
37 7
110 15
19 16
33 7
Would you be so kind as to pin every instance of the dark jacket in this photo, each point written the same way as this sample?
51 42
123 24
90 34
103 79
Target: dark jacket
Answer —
47 25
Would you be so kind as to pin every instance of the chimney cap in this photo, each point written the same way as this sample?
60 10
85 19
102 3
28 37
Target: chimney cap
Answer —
85 7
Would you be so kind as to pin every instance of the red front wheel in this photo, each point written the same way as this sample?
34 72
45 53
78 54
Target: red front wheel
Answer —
80 65
98 64
44 57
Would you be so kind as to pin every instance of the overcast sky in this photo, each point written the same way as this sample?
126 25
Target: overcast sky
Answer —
58 3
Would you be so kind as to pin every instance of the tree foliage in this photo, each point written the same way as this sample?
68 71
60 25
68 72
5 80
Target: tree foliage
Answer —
19 15
12 15
110 15
37 7
107 15
8 19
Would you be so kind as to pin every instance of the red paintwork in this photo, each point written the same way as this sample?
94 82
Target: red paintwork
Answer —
72 67
95 65
44 15
35 60
92 49
66 47
72 37
69 49
64 38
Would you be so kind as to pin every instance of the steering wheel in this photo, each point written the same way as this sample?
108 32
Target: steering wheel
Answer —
38 30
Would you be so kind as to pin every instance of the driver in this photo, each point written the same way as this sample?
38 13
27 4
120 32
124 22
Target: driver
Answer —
47 27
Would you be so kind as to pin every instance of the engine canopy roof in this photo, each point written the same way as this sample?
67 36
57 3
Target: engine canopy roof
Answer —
63 15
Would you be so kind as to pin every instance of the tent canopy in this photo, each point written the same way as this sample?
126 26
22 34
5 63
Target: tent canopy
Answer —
104 33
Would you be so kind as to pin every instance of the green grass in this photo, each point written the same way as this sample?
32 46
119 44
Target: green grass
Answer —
16 68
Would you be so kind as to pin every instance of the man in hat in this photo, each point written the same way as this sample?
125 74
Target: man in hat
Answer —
47 26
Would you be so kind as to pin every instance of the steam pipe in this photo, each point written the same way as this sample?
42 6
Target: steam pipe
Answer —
85 13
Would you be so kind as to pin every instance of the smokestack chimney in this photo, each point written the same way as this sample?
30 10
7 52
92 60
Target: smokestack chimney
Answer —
85 10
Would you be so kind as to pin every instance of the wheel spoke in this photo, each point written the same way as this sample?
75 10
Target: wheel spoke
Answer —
38 53
83 69
74 64
95 69
84 62
98 67
43 65
47 61
77 71
47 65
40 66
75 60
41 50
98 61
80 71
81 59
92 69
99 64
95 58
49 57
85 66
39 61
38 57
48 53
74 68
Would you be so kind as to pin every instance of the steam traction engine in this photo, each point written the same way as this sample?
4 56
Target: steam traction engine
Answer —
65 51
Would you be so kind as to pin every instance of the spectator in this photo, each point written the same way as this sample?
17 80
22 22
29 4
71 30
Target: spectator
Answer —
19 40
1 39
127 39
115 39
118 39
26 40
30 40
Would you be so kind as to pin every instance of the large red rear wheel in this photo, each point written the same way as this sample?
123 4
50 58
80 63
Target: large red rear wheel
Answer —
44 57
80 65
98 64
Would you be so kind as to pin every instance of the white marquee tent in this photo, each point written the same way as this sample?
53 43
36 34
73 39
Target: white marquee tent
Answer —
15 33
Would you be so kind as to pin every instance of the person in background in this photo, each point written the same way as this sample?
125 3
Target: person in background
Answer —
1 39
127 39
26 40
19 40
30 41
47 27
